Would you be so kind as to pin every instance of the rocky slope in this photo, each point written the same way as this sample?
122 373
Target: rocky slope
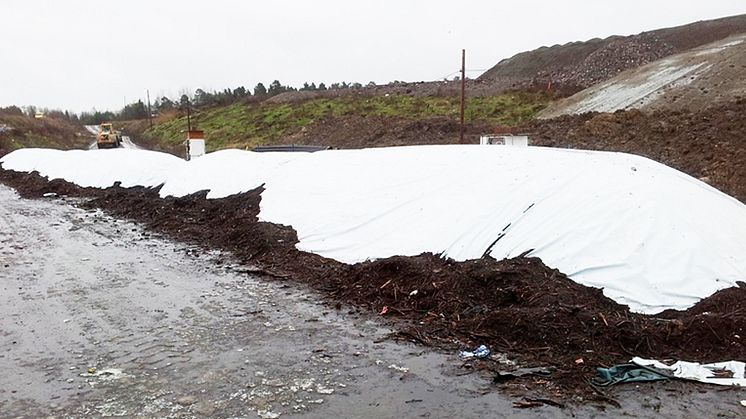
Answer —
578 65
706 76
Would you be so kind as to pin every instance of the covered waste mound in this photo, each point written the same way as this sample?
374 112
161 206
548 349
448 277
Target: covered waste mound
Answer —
650 236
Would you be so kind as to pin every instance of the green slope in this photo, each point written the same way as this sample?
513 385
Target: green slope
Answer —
246 125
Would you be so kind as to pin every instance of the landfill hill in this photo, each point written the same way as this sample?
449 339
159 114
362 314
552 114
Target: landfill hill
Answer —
702 77
578 65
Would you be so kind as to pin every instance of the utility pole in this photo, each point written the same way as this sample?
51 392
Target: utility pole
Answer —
189 117
150 114
463 93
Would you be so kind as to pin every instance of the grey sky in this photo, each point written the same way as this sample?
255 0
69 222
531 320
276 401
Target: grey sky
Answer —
81 54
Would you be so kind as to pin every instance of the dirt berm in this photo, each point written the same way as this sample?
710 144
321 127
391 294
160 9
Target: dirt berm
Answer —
709 143
520 307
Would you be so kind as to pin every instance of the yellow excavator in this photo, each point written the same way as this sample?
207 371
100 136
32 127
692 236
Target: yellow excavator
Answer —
107 137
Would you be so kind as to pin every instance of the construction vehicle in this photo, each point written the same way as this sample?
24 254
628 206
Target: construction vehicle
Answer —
107 137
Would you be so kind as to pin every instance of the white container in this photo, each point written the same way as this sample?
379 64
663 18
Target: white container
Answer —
511 140
196 148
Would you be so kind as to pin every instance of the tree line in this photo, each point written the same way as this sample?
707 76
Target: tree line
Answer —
200 99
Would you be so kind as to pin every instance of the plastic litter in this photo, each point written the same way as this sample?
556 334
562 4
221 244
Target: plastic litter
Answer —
729 373
627 373
384 310
481 351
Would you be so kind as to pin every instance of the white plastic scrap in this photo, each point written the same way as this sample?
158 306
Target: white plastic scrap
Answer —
480 352
733 371
398 368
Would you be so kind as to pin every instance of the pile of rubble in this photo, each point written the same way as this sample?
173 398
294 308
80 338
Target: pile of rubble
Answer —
613 58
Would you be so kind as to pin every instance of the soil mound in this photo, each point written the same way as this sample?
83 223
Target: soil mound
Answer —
519 306
579 65
357 131
709 144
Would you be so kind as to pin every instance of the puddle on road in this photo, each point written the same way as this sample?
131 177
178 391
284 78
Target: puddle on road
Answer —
128 324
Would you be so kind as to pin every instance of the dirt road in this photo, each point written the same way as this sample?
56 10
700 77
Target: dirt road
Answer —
99 319
126 141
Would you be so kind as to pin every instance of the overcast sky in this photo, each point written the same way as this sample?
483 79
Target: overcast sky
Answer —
85 54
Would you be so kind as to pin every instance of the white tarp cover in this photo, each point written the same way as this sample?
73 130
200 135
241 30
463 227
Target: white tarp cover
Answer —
225 172
705 373
95 168
650 236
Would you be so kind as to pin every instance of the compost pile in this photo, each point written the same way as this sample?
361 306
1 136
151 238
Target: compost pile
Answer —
519 306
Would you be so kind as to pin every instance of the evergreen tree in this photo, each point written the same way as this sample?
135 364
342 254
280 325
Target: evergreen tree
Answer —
275 88
164 104
260 90
239 92
201 98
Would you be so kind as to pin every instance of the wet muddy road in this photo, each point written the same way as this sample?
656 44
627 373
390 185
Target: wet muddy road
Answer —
99 319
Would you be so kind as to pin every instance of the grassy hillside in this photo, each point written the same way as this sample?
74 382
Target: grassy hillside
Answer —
240 125
19 131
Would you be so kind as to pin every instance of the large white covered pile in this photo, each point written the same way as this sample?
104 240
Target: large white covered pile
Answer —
650 236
